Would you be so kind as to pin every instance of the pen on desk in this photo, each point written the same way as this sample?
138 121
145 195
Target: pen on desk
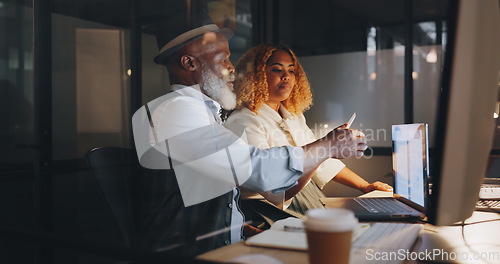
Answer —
293 228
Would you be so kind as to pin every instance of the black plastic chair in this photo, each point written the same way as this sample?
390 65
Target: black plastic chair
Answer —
112 169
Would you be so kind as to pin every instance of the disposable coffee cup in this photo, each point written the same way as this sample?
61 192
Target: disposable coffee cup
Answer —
329 233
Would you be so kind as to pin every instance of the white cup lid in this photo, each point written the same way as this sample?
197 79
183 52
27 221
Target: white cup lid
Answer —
330 219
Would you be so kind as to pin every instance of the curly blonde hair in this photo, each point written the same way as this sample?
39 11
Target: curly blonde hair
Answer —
251 81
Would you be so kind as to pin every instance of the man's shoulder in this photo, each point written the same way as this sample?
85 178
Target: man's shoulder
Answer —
178 95
175 99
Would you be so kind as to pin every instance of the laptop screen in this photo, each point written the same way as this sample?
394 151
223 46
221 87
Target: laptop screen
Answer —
410 155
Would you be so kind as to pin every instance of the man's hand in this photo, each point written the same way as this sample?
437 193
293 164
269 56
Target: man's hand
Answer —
346 143
341 143
377 186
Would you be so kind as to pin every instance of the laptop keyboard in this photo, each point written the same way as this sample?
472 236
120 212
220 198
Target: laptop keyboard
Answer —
384 238
488 205
381 205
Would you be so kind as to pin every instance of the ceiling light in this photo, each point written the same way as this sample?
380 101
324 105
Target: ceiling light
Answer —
431 56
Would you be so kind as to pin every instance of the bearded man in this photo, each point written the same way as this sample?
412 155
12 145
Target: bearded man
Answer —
192 205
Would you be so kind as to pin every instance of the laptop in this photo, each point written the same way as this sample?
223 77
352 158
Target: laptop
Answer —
410 160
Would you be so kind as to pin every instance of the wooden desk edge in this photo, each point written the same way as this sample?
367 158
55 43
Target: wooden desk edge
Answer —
238 249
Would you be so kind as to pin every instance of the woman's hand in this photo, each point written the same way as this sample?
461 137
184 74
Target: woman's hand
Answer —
380 186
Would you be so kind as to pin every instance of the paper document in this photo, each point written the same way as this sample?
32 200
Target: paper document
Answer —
289 233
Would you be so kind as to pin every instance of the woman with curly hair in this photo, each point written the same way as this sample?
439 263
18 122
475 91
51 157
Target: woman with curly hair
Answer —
272 93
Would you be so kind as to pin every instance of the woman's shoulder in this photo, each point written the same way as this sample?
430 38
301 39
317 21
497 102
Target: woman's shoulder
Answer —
244 120
241 116
300 116
298 119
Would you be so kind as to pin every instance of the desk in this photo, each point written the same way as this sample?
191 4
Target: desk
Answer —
237 249
483 238
286 256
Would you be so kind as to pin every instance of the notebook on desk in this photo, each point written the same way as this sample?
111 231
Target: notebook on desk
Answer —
289 233
410 160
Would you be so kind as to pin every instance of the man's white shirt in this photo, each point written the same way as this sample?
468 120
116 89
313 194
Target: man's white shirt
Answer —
181 130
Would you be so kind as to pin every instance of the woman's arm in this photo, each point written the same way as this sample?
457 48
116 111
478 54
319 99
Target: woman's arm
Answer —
349 178
290 193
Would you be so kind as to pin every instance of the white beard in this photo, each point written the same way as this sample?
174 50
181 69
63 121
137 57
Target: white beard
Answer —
217 88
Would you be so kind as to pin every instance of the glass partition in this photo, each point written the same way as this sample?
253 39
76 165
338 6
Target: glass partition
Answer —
16 85
17 138
354 55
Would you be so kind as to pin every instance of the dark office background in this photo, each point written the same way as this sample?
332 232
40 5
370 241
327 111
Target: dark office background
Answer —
52 114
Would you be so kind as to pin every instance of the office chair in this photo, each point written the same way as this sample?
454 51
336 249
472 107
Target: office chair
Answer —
112 170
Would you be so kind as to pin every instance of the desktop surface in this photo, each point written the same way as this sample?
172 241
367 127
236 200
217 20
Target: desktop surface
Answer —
482 240
238 249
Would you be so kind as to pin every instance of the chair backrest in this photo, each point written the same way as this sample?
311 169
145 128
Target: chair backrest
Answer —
112 169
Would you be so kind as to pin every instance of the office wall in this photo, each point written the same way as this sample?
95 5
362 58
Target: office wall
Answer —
155 82
99 80
371 84
77 125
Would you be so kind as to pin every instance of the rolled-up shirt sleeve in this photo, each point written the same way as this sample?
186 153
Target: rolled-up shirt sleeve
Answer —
275 169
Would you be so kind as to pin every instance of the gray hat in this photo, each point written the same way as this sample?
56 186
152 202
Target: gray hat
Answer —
172 36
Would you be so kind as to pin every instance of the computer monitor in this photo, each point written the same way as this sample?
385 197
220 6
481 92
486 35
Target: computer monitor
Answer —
465 124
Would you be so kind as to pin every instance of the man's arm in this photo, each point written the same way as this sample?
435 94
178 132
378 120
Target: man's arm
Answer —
339 143
209 160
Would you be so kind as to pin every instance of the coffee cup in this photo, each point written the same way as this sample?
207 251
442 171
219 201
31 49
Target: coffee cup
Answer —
329 232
